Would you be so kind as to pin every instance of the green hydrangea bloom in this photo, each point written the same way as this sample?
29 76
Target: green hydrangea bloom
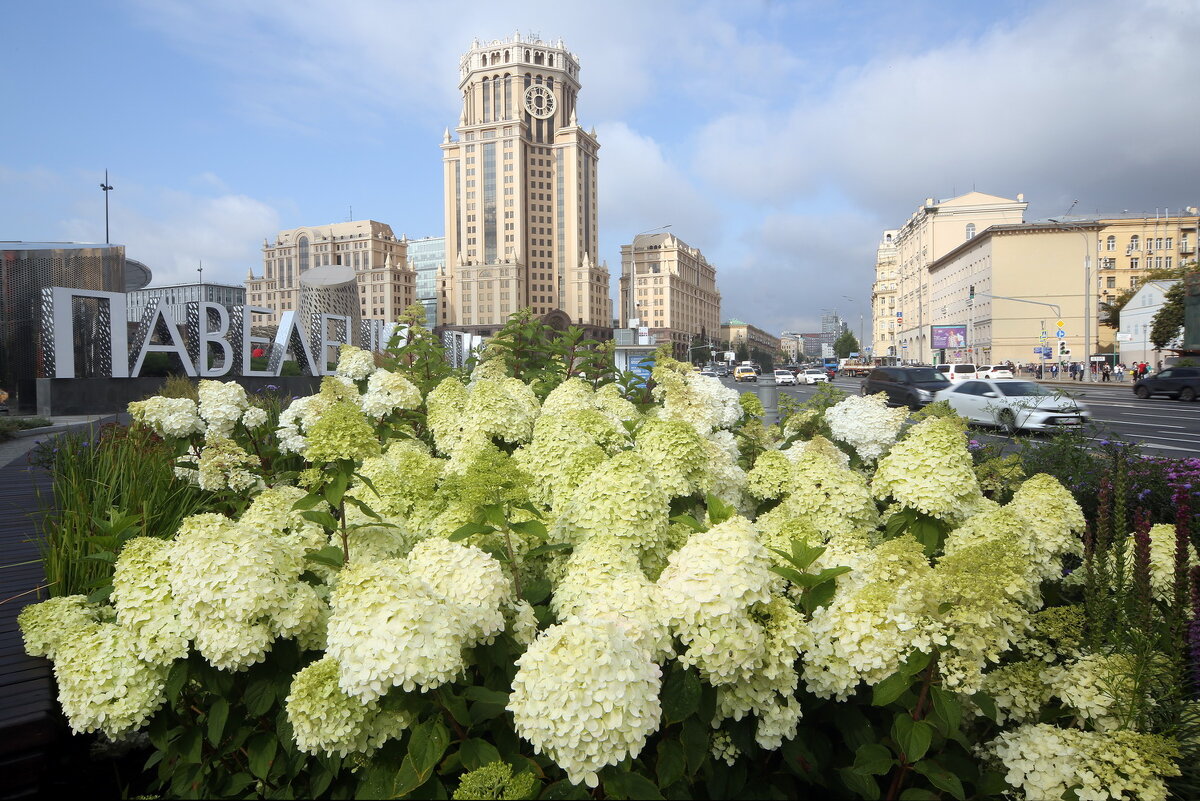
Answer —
675 453
341 432
495 780
327 720
621 498
930 470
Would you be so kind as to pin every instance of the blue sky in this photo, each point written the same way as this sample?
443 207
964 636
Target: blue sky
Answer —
779 138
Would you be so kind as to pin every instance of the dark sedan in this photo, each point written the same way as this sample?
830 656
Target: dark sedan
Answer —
1174 382
905 386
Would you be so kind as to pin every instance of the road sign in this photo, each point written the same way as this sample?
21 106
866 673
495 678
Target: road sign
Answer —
1060 323
1060 333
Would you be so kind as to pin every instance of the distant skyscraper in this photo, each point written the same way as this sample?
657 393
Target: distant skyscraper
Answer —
427 258
520 192
672 289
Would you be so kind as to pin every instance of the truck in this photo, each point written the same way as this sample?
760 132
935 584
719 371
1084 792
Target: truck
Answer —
855 367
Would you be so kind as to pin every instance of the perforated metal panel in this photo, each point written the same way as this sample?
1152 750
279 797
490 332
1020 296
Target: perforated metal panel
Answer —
25 270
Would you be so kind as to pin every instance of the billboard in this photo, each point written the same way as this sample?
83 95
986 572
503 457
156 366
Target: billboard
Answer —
949 336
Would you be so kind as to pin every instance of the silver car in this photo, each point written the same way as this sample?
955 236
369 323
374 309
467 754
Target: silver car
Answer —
1014 405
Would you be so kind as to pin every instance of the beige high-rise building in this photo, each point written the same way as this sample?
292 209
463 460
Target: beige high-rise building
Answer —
386 284
520 193
883 299
672 289
932 231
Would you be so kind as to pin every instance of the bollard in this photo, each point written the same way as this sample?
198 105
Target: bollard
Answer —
768 396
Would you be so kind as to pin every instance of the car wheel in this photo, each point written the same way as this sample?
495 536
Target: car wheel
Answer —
1007 421
1141 392
1187 394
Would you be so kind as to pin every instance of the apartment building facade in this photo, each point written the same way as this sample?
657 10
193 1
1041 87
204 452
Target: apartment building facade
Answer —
672 289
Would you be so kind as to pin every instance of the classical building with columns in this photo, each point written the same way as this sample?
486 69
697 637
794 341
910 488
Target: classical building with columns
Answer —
386 282
672 289
520 194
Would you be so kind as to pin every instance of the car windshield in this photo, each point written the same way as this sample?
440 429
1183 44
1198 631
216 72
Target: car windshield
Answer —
927 375
964 368
1018 389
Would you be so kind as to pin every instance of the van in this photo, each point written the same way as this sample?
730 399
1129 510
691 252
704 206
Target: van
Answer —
744 373
958 371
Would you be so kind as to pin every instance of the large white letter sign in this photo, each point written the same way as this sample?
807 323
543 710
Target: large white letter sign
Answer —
249 341
324 343
58 326
289 337
205 338
156 314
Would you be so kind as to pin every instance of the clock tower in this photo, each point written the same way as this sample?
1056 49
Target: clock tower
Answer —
520 193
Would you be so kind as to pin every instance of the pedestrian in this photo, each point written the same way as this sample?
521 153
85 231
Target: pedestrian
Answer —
1121 371
1106 372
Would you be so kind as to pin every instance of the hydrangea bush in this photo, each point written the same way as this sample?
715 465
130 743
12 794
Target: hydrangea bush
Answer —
507 586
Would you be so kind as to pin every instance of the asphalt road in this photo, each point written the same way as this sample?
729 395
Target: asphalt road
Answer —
1157 425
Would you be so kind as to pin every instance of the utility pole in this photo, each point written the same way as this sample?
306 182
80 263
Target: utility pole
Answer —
106 187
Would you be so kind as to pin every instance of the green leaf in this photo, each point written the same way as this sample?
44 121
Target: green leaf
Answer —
468 530
456 705
176 678
718 510
426 745
565 791
940 778
259 696
486 694
688 521
363 506
680 694
948 707
794 576
218 713
918 794
190 745
307 502
992 783
819 596
336 488
321 518
913 736
986 704
536 591
549 547
530 528
103 556
475 753
235 784
494 514
861 785
890 689
330 555
671 764
260 750
694 739
873 759
621 785
102 594
916 662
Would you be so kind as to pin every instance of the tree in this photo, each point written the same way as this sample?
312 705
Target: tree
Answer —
742 352
845 345
1110 310
1167 324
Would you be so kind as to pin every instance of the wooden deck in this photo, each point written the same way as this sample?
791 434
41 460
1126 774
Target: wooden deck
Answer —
28 713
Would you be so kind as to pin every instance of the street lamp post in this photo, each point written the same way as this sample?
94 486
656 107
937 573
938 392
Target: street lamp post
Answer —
106 187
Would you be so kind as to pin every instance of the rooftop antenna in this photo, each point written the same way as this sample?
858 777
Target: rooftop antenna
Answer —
200 270
351 217
1068 211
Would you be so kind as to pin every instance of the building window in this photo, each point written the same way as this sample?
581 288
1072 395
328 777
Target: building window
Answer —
1112 282
1135 243
1111 243
970 230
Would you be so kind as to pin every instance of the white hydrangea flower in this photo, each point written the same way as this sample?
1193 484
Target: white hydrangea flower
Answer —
470 578
295 420
587 696
222 405
824 446
566 447
620 498
701 401
171 418
326 720
224 464
235 586
1018 690
522 622
1044 761
1054 521
103 685
675 453
1102 688
355 363
254 417
144 603
1162 559
388 392
46 625
866 424
930 470
604 580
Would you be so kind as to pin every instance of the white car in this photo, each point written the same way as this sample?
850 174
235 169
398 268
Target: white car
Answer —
811 376
993 371
708 373
958 371
785 377
1014 405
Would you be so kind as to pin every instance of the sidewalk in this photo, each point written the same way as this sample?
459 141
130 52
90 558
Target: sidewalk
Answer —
25 441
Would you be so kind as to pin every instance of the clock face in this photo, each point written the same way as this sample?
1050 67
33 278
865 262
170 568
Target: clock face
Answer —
539 101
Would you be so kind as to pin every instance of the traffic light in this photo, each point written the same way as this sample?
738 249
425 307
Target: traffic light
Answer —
1062 349
971 296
